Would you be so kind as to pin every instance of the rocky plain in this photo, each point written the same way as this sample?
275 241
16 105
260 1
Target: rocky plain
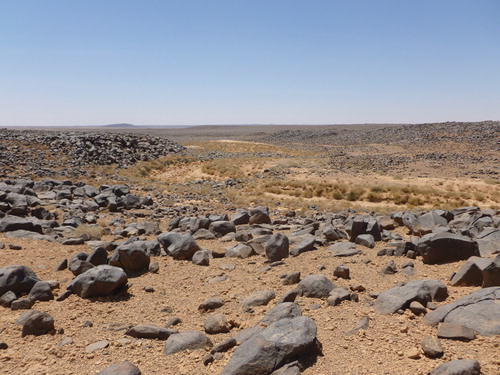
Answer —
285 250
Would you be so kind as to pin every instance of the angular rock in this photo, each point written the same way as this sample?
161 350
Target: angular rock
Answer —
77 266
489 242
389 269
240 217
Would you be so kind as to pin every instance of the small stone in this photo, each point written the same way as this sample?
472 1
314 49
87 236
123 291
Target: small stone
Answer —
389 269
291 278
413 353
417 308
154 267
173 322
149 289
342 272
431 347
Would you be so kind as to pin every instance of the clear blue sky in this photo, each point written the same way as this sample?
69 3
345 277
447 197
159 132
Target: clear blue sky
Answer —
245 62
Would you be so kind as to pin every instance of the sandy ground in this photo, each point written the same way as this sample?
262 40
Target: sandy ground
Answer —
182 286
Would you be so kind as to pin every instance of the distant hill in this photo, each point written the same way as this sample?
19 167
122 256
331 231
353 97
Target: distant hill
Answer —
120 126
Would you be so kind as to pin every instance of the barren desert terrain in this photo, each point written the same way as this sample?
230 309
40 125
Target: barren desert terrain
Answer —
251 250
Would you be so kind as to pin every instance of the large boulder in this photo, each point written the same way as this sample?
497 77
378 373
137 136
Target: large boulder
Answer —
479 311
98 281
277 247
400 296
273 346
17 279
446 247
180 246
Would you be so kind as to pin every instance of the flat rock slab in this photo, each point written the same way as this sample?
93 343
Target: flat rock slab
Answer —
479 311
344 249
99 345
455 332
401 296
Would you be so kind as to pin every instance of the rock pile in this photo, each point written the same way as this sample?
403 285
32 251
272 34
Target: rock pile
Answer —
69 150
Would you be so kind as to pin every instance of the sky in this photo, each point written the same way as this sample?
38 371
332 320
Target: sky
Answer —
161 62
